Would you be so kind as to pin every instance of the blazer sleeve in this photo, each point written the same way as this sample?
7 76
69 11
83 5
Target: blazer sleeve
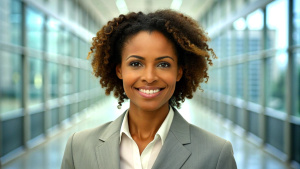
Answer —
226 159
67 161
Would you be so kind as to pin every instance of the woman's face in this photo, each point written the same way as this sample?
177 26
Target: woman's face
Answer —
149 70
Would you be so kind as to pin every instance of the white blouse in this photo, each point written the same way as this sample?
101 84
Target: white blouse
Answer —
129 152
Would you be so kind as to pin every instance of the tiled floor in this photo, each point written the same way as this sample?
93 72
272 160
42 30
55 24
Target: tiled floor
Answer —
49 154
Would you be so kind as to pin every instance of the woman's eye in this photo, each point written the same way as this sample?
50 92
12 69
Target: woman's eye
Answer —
135 64
164 65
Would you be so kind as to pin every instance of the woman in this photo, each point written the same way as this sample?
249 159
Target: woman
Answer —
155 60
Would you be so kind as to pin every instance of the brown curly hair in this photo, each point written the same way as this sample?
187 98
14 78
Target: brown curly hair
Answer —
190 42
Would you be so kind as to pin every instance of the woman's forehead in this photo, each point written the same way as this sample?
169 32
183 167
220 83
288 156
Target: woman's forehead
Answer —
149 42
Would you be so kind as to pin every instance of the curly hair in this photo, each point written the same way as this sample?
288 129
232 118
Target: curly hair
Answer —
190 40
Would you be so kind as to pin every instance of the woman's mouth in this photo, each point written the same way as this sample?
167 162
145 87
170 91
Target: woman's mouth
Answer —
149 93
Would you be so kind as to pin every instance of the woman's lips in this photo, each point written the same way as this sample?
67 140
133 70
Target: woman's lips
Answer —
149 93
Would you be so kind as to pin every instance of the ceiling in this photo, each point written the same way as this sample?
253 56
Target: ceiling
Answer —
105 10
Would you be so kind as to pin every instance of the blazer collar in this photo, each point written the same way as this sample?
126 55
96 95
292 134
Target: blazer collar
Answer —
108 149
173 154
180 128
112 128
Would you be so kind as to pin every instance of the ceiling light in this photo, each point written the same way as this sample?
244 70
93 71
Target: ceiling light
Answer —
121 4
176 4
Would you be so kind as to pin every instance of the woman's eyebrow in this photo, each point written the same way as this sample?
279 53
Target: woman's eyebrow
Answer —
142 58
163 57
135 56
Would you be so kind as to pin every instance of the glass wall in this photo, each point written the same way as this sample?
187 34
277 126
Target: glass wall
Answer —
297 83
296 53
239 27
34 29
277 24
254 70
296 23
275 80
11 82
35 81
15 22
52 35
53 80
255 24
254 83
43 71
239 81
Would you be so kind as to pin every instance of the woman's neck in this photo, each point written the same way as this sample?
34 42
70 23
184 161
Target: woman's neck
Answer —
143 125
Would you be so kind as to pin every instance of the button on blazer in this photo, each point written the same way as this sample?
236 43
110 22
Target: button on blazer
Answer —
186 147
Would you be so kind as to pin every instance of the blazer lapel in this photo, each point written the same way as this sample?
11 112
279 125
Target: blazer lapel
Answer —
173 153
108 149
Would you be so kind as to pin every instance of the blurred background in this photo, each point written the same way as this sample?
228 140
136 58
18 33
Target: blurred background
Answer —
47 90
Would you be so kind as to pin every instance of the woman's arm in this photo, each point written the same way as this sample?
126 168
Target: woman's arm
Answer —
67 161
226 158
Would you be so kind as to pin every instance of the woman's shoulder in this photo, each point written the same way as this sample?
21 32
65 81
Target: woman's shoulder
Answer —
92 131
89 134
207 138
103 131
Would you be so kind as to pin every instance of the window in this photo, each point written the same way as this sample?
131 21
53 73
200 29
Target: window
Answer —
77 79
297 113
220 45
277 24
15 22
296 23
224 80
36 81
228 47
74 45
239 81
239 27
53 5
11 82
296 53
254 73
83 84
224 45
34 25
83 49
216 45
231 82
275 81
213 80
65 43
255 26
218 80
53 80
52 36
66 80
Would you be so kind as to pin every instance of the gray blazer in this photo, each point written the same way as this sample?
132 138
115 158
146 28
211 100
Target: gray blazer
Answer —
186 146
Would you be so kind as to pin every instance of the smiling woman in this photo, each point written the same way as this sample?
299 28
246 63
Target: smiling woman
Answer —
155 60
149 63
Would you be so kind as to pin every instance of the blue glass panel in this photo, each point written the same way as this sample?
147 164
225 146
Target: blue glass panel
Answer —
296 22
275 81
277 24
11 82
36 81
34 29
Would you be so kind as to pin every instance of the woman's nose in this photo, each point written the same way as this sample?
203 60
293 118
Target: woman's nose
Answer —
149 75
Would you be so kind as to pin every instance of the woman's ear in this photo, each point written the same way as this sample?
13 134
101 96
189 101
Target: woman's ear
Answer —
179 74
119 71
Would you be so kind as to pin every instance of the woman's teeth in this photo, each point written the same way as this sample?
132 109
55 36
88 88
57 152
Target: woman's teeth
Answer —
149 91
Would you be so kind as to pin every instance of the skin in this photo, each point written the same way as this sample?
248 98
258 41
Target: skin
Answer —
149 62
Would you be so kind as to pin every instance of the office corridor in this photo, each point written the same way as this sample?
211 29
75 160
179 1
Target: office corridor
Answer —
47 88
49 154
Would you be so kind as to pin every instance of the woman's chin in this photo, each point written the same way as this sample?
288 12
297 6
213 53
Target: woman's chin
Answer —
149 107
